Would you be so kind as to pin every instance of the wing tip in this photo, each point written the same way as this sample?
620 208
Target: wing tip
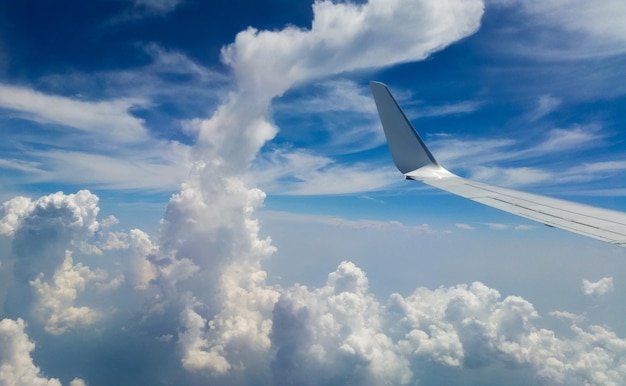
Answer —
407 149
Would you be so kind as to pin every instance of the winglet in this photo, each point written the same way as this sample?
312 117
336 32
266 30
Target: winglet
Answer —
408 151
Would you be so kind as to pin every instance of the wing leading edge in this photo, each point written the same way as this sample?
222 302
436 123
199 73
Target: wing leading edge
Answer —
416 162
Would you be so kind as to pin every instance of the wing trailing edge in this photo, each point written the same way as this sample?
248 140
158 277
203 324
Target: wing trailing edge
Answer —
416 162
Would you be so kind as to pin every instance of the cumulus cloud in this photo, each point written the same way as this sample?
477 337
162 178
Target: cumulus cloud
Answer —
203 285
333 334
46 227
16 364
55 302
598 288
373 35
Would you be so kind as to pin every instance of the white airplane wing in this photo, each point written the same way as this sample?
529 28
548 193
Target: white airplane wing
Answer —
416 162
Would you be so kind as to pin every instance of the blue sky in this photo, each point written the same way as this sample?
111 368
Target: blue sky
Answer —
209 182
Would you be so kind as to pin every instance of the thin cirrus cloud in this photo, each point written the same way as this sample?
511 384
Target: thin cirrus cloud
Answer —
110 119
597 28
116 164
303 173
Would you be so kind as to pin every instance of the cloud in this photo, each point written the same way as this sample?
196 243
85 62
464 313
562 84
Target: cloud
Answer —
160 6
303 173
43 229
267 63
466 227
545 106
510 176
160 168
463 107
55 303
203 286
372 34
110 119
475 156
53 129
575 137
115 164
16 364
598 288
596 29
333 334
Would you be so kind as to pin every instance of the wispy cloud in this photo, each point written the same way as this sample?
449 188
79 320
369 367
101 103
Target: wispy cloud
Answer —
303 173
596 30
576 137
160 6
339 222
105 119
511 176
463 107
545 105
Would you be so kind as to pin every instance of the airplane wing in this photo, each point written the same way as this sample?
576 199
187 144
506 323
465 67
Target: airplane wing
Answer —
416 162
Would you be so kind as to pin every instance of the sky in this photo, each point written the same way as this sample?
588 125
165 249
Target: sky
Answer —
199 192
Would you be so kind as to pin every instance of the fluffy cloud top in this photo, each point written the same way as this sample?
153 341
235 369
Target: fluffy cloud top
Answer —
598 288
16 364
201 289
343 37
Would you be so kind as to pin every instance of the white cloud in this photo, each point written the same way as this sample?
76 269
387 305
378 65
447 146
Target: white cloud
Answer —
12 212
576 137
227 322
303 173
268 63
545 106
110 120
453 151
16 364
21 165
596 28
333 334
463 107
376 225
43 229
55 302
332 95
373 34
598 288
510 176
466 227
498 227
162 167
160 6
127 155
